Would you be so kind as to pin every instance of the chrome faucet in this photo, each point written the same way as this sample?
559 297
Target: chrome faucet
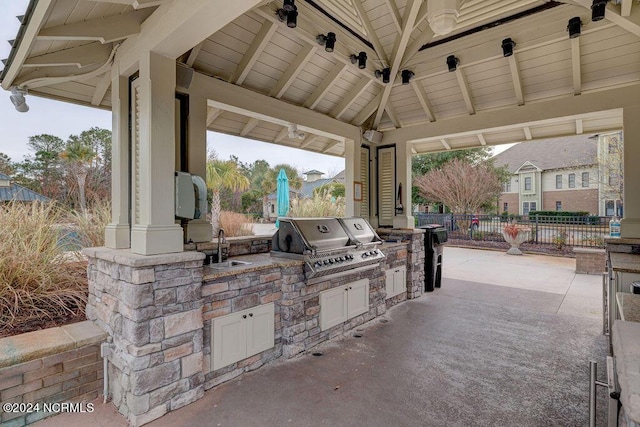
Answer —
221 240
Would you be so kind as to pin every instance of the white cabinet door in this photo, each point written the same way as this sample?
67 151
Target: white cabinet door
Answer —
396 281
389 282
229 340
358 298
333 307
260 328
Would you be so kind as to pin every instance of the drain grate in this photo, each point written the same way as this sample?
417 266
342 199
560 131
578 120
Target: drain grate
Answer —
357 335
317 353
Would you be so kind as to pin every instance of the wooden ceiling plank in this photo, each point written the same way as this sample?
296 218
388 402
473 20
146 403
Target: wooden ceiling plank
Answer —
80 56
251 124
212 115
515 76
371 32
105 30
258 45
193 55
481 139
101 89
349 98
395 15
324 87
301 59
424 100
367 111
464 88
575 66
409 19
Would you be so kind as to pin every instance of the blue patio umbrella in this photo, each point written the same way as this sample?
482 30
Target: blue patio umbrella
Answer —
282 195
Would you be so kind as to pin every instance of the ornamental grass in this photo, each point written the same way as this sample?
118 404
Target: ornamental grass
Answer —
322 204
235 224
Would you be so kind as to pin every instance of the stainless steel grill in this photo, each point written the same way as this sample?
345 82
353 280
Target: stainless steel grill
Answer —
328 246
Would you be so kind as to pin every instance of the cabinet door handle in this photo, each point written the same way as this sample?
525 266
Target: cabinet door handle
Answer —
346 289
350 287
244 316
250 314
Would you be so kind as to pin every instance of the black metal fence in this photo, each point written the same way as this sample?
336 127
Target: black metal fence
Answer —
583 231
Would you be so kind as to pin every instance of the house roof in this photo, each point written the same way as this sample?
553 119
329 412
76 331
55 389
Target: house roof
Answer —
556 153
308 187
19 193
3 176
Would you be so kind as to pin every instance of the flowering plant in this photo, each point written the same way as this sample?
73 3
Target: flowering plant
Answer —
512 229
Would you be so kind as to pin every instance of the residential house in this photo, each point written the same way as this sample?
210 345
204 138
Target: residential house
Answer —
11 191
560 174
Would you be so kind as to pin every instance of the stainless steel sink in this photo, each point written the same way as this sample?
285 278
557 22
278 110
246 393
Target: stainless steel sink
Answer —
229 264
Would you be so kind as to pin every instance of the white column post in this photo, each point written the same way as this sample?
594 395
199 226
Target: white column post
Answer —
630 224
403 176
117 233
156 231
351 168
198 230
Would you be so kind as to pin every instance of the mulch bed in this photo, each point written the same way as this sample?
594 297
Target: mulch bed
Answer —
37 324
531 248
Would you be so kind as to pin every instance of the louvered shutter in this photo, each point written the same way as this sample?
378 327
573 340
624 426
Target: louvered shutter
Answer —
386 186
364 178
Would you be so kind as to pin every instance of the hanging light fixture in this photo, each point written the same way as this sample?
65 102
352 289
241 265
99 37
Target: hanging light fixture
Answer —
597 9
574 27
406 75
452 62
361 59
385 74
507 47
328 41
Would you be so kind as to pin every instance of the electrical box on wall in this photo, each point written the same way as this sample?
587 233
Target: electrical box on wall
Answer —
185 196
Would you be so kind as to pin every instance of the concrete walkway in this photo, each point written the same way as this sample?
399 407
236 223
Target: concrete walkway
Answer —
506 341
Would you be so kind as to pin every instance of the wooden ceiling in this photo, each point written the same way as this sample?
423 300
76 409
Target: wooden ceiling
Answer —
74 41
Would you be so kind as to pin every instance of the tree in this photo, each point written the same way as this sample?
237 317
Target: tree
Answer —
42 172
269 181
336 189
6 166
78 158
223 174
462 186
98 182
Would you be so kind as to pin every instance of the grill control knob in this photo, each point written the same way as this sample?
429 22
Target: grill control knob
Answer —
317 264
365 254
326 261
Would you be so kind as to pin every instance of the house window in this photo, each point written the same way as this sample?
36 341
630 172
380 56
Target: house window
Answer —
527 184
585 179
528 207
507 187
572 180
273 209
558 181
558 206
505 207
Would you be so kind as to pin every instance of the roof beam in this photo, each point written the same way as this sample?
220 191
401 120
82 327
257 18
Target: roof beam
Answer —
371 32
324 87
424 100
329 146
625 7
105 30
251 124
515 76
284 132
292 71
392 115
527 133
395 15
481 139
575 65
630 23
193 55
237 99
308 140
409 19
445 144
464 88
349 98
80 56
579 127
421 39
260 41
212 115
101 89
136 4
367 111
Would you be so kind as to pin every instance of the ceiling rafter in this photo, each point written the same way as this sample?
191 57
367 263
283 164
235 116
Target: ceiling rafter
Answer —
193 54
80 56
324 87
625 7
329 146
105 30
423 38
136 4
350 98
575 66
308 140
410 15
395 15
424 100
249 126
371 32
101 89
258 45
445 144
579 127
212 115
367 111
481 139
515 77
284 132
527 133
392 115
464 88
301 59
630 23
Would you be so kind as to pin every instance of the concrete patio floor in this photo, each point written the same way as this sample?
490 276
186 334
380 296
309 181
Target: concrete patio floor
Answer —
506 341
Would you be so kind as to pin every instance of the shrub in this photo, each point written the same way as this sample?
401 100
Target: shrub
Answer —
560 239
320 205
37 278
593 240
235 224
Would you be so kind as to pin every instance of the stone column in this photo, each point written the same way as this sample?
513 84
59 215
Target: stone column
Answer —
403 176
630 224
152 307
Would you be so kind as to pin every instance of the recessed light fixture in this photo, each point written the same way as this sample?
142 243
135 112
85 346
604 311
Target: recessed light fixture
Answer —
406 75
507 47
361 59
574 27
452 62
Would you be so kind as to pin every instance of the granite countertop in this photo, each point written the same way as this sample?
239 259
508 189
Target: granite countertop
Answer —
627 263
626 349
629 305
258 262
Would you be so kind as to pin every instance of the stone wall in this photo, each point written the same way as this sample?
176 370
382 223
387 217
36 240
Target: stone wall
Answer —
590 261
152 307
55 365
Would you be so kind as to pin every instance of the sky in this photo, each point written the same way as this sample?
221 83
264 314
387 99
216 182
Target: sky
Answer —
63 119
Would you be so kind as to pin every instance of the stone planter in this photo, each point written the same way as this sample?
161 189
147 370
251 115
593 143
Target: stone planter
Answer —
524 234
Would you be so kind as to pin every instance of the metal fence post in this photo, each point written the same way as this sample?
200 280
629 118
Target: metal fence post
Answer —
536 228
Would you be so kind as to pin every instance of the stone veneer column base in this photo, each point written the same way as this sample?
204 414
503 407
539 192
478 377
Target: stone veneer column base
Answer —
152 307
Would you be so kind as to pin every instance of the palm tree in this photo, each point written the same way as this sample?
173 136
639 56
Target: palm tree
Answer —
78 158
223 174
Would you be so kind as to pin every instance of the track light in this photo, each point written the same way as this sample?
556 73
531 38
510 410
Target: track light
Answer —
18 100
597 9
361 59
406 75
290 16
507 47
288 5
329 41
384 73
574 27
452 62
